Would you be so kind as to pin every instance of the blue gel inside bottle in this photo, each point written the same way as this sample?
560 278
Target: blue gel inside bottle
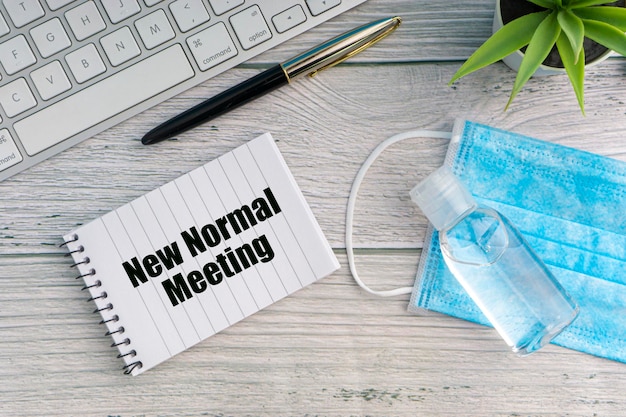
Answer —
495 265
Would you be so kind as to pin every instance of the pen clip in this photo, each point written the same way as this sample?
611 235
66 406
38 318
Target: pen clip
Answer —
360 48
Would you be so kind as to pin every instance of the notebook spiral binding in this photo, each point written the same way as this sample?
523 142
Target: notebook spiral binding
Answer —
107 308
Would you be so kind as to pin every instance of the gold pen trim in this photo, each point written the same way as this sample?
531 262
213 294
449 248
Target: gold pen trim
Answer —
378 36
339 49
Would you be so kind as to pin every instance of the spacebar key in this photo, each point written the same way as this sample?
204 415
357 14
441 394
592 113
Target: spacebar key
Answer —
103 100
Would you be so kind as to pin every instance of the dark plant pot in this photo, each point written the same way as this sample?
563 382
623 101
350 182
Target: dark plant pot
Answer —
508 10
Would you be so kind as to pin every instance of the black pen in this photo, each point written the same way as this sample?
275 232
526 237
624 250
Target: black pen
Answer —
311 62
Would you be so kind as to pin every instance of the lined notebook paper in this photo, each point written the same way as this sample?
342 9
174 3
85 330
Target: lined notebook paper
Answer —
200 253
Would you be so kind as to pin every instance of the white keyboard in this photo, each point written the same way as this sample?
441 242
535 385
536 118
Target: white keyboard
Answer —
72 68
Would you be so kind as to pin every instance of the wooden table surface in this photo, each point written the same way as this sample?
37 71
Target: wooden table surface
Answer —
331 349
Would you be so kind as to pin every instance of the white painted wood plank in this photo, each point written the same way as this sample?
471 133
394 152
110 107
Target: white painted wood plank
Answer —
329 349
431 30
326 127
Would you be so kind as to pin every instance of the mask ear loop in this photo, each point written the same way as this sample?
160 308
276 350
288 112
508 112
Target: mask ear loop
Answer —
352 202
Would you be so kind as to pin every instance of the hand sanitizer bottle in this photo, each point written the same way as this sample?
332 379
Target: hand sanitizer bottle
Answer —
495 265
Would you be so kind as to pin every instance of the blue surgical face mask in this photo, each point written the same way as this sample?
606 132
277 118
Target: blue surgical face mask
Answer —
571 207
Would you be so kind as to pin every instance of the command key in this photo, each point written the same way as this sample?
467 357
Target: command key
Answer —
9 155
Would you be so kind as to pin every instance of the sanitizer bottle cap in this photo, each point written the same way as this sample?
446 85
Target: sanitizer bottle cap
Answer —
443 198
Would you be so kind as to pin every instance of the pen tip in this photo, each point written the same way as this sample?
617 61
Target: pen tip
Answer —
150 138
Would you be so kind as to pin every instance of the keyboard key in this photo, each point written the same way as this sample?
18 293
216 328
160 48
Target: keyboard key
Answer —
154 29
85 63
288 19
119 10
50 80
72 68
9 154
23 12
212 46
57 4
320 6
103 100
50 37
85 20
223 6
250 27
120 46
4 28
16 97
15 55
189 14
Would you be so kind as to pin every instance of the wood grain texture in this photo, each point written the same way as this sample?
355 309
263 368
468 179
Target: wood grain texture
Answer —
330 349
326 127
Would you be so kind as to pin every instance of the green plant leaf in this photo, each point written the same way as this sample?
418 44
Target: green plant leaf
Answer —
511 37
606 35
538 49
548 4
574 66
573 28
575 4
615 16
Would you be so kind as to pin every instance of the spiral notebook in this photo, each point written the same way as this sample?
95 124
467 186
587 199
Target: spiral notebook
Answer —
199 254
